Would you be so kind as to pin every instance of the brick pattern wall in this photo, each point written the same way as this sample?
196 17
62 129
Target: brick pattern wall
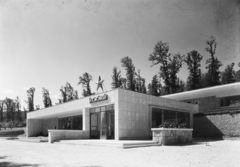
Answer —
172 136
216 125
205 103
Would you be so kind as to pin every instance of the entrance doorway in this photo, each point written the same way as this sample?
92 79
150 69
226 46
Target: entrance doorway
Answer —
102 122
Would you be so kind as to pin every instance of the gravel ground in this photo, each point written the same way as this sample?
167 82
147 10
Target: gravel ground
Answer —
218 153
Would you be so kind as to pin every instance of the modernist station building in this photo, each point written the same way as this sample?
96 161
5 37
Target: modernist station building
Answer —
117 114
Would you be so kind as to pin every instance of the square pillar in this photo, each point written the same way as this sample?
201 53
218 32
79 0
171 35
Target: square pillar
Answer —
191 120
149 121
27 128
86 119
116 121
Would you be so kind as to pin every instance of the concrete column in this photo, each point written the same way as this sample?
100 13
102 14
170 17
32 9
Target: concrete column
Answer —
27 128
191 120
149 121
86 119
116 121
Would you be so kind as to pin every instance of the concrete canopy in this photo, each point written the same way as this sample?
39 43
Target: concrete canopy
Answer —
218 91
63 110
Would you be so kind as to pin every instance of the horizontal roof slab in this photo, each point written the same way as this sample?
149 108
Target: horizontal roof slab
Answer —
218 91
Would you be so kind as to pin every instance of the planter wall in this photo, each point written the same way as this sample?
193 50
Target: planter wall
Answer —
172 136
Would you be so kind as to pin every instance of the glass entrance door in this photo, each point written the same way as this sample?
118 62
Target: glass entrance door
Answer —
94 126
110 125
103 131
102 122
107 125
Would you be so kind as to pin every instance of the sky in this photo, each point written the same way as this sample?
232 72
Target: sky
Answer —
46 43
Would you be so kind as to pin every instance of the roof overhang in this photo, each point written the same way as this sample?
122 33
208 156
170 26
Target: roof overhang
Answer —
218 91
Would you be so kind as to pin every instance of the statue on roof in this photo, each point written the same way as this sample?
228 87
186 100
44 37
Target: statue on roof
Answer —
100 84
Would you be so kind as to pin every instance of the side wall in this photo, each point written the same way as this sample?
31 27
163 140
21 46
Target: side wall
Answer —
34 127
132 116
40 126
216 125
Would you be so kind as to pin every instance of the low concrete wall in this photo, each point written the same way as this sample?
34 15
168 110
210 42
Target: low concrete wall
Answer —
170 136
54 135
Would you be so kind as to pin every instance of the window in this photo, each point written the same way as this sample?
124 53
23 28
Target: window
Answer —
77 122
103 108
160 116
63 123
169 116
71 123
156 117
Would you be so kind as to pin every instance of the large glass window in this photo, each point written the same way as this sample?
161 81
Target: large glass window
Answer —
71 123
77 122
169 116
102 109
63 123
156 117
159 116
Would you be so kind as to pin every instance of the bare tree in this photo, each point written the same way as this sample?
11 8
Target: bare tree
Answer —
130 73
170 65
46 98
30 101
213 64
85 80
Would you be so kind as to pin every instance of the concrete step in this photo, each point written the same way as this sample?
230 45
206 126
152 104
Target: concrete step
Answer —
139 145
118 144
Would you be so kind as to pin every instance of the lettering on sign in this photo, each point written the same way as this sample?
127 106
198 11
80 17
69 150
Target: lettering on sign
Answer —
98 98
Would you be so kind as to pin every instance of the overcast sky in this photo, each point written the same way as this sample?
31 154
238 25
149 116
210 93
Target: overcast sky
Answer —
45 43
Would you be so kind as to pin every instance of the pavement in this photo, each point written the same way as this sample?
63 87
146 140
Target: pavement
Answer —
216 153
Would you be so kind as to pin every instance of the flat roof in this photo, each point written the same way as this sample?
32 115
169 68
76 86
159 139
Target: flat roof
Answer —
226 90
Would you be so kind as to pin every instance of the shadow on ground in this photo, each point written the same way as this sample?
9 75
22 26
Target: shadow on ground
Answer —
4 163
201 141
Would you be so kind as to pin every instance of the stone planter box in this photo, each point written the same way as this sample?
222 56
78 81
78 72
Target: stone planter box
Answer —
172 136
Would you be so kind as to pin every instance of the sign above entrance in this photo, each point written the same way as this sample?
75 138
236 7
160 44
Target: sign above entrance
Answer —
98 98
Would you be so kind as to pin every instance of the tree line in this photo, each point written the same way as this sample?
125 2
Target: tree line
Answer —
164 82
